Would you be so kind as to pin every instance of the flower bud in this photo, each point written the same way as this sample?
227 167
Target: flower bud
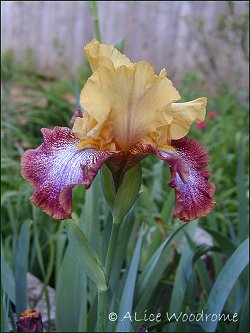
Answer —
127 193
108 187
143 328
120 202
30 321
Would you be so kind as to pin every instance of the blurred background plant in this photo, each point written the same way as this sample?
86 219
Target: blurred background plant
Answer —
169 278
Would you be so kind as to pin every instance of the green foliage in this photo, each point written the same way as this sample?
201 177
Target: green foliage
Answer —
71 275
85 255
222 287
21 268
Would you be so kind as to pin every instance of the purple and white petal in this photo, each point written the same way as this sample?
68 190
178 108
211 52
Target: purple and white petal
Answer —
56 166
193 191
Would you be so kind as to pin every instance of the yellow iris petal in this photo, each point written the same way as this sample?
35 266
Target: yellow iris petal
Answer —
104 55
126 103
129 100
163 72
184 114
83 125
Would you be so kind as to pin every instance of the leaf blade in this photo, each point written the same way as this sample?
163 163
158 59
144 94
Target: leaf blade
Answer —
128 291
21 267
222 287
85 255
71 289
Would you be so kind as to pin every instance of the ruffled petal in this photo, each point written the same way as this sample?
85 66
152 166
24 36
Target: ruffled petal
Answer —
193 191
104 55
184 114
126 103
56 166
180 117
129 100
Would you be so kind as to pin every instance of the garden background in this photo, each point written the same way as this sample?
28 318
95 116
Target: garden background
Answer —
204 47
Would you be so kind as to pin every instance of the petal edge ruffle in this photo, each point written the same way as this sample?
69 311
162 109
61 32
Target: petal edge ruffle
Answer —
193 191
56 166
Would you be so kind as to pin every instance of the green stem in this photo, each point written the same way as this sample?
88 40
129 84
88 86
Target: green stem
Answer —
102 310
111 249
97 29
94 12
102 294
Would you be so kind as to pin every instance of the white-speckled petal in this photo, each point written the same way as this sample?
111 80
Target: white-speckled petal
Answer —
56 166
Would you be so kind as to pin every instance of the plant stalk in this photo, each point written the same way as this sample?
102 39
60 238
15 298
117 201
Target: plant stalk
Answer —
111 249
102 294
102 310
94 12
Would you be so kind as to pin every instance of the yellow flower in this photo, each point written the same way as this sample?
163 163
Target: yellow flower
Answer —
126 103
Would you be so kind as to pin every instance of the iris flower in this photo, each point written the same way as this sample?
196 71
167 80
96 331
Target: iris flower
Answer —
129 112
30 321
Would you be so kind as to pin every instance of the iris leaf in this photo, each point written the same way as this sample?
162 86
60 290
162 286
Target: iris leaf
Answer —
223 285
21 267
129 288
241 188
7 277
71 295
85 255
